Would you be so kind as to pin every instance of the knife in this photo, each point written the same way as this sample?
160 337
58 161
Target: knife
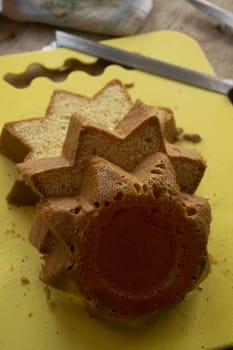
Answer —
146 64
214 11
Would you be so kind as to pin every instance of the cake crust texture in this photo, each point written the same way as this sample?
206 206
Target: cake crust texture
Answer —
131 243
113 223
117 221
137 135
36 138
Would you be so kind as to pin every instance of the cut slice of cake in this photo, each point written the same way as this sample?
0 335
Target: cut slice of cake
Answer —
37 138
136 136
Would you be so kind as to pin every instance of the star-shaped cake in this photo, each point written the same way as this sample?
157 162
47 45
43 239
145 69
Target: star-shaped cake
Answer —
130 243
44 137
115 222
137 135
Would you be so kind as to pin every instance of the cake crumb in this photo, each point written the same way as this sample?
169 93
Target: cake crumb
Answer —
24 280
129 85
213 261
30 315
179 131
47 291
192 137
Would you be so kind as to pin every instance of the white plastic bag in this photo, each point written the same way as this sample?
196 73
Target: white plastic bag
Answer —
114 17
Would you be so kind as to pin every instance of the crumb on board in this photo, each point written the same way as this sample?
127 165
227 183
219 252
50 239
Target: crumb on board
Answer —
192 137
179 131
30 315
24 280
47 291
24 258
129 85
213 261
10 231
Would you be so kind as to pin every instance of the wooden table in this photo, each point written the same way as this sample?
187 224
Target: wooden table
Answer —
215 39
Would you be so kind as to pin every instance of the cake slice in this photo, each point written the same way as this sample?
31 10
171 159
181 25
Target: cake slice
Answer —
131 243
43 137
112 224
136 136
37 138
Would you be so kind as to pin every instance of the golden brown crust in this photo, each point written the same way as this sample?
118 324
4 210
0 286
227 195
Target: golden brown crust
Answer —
14 145
61 176
120 231
136 136
11 143
21 193
189 167
138 219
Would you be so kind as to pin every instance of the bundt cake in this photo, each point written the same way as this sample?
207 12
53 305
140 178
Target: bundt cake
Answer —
130 243
113 223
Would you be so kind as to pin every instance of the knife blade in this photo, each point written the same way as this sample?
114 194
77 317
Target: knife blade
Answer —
147 64
217 12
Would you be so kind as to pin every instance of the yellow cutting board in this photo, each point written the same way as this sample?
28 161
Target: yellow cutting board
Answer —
204 320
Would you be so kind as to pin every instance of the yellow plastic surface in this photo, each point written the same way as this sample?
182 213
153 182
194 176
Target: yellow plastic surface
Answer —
204 320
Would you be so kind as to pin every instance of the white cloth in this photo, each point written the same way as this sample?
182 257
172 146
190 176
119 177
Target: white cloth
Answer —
114 17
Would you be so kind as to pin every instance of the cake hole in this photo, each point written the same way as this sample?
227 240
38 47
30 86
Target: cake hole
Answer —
96 204
157 171
72 249
137 187
148 140
119 196
145 188
70 267
156 192
106 204
160 165
191 211
75 210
